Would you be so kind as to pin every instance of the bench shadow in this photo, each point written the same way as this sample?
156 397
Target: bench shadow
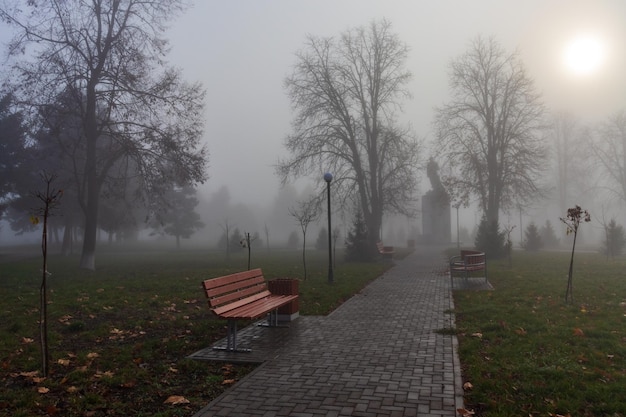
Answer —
471 284
265 343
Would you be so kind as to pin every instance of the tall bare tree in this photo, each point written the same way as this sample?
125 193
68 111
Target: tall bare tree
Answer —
109 57
570 147
490 132
609 148
345 92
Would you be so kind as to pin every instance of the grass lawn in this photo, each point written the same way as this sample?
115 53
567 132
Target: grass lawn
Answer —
526 352
119 336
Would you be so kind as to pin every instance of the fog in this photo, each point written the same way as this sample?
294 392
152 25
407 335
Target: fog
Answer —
241 51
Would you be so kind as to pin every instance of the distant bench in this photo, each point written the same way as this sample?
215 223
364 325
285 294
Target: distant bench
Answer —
468 263
243 296
386 251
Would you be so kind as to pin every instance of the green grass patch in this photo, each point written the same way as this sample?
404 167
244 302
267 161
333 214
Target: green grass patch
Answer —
119 336
526 352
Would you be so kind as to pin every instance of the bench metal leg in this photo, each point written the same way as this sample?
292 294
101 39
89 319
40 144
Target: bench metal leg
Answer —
272 320
231 339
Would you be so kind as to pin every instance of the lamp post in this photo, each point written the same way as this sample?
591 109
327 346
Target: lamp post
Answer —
328 177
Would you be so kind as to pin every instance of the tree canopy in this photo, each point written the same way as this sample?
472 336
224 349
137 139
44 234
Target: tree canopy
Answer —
490 133
95 72
345 92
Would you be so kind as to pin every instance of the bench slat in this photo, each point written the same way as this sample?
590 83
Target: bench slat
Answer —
232 278
259 308
221 309
216 300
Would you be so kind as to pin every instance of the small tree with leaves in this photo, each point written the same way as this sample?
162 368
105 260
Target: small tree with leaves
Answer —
614 239
575 216
49 199
490 239
533 241
357 246
322 239
548 236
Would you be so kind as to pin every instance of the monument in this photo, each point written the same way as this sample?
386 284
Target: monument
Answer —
436 224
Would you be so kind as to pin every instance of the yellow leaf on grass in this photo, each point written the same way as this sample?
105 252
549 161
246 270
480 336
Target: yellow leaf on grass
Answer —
93 355
521 331
64 362
228 382
578 332
72 389
27 340
43 390
176 400
468 386
463 412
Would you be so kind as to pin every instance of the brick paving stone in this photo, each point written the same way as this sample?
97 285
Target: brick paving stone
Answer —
378 354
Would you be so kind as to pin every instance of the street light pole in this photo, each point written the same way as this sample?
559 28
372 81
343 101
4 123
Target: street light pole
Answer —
328 177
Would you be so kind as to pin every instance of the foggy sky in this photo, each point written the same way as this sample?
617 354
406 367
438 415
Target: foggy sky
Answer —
242 51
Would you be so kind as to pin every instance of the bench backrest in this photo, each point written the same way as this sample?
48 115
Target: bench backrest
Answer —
232 291
474 259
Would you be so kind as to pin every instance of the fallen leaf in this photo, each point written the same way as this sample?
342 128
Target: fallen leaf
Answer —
27 340
43 390
65 319
578 332
129 384
64 362
521 331
72 389
463 412
93 355
228 381
176 400
478 335
468 386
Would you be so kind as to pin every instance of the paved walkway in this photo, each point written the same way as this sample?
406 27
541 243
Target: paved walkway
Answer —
378 354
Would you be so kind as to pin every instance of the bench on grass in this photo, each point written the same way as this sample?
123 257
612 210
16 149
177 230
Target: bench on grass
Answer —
243 296
386 251
468 263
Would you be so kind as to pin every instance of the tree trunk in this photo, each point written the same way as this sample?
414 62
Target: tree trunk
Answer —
88 257
67 247
569 292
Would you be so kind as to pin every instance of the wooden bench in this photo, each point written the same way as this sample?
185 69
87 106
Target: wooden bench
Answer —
468 263
386 251
243 296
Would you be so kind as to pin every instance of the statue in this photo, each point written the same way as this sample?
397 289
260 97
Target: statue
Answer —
436 225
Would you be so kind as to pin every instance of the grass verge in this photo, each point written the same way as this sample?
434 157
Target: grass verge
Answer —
526 352
119 336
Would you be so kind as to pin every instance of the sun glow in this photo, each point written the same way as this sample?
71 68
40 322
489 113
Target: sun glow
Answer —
584 55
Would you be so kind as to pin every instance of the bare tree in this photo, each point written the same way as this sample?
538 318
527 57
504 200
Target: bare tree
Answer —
306 213
609 149
345 92
568 139
489 134
108 56
226 227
